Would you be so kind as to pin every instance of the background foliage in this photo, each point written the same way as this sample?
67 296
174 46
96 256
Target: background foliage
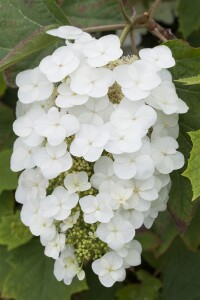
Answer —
171 253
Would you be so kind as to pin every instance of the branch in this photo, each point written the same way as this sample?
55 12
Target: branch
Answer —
126 17
153 8
104 28
160 32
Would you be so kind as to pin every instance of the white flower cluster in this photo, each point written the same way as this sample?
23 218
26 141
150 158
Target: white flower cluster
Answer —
96 143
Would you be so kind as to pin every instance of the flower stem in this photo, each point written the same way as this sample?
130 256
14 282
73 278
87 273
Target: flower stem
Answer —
153 7
125 32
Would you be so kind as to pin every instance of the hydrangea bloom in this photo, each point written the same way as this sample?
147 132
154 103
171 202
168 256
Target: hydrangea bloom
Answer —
96 144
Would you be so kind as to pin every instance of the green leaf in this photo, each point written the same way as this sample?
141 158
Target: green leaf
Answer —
35 42
8 179
57 12
23 25
4 269
6 133
96 290
190 80
31 276
148 289
92 12
12 232
193 169
191 236
2 85
188 16
6 203
148 240
29 62
181 274
187 64
166 230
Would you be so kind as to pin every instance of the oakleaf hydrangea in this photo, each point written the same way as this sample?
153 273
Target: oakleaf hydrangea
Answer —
96 144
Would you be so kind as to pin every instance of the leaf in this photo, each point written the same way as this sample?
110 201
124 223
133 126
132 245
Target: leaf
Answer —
30 62
188 16
23 24
166 230
31 276
92 12
96 290
2 85
12 232
148 289
191 236
8 179
190 80
4 269
148 240
56 11
6 133
193 169
6 203
35 42
187 64
181 274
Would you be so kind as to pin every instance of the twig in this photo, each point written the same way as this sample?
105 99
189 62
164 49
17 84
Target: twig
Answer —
133 45
125 32
104 27
126 17
153 8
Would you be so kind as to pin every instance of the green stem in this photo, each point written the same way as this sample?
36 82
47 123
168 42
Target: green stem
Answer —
125 32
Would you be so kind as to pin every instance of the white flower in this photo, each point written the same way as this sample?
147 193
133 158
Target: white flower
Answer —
33 86
30 210
91 81
157 206
144 191
160 56
136 218
109 269
69 222
136 80
22 156
24 126
95 111
96 209
89 142
165 156
116 233
165 98
77 182
135 116
100 52
43 227
139 165
66 267
120 141
32 184
53 160
59 204
103 172
67 98
66 32
131 254
56 126
54 246
60 64
120 193
166 125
